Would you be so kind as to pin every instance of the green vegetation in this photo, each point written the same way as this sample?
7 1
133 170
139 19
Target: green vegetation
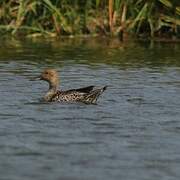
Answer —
149 18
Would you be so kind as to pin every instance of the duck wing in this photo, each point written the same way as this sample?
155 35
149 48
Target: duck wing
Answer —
87 89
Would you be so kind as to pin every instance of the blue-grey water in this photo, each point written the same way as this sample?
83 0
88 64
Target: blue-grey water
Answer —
132 134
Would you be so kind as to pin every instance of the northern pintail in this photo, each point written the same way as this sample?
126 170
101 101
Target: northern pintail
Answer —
87 94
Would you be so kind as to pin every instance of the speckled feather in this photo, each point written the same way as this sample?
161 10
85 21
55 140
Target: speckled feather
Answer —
86 95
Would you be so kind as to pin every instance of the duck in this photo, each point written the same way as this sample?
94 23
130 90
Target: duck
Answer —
87 95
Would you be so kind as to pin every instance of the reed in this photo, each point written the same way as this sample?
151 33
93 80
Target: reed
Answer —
101 17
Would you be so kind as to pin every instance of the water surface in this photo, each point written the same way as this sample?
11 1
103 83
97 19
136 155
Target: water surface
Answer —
133 132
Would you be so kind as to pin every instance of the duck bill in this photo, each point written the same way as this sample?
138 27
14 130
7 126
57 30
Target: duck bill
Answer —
37 78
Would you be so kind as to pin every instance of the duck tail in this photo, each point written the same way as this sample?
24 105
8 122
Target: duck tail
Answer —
104 88
93 96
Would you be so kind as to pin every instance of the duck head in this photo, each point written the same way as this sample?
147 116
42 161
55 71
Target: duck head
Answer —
51 76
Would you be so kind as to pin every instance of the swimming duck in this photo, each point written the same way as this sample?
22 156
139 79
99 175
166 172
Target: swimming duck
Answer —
87 94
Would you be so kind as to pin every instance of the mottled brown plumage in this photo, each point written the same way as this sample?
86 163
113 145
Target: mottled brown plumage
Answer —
86 95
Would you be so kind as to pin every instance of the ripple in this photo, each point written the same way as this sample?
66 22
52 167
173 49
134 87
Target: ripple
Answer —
132 133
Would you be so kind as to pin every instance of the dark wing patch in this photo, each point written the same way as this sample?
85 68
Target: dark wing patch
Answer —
87 89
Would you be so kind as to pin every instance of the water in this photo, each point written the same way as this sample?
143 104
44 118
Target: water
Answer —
133 132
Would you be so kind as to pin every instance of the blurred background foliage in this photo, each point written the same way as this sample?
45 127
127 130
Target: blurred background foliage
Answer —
143 18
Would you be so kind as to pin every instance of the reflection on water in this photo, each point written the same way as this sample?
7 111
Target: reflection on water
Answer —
133 132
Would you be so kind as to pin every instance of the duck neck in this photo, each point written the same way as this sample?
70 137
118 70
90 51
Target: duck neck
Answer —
52 90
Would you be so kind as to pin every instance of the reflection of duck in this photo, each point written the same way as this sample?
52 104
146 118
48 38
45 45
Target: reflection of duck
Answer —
86 95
